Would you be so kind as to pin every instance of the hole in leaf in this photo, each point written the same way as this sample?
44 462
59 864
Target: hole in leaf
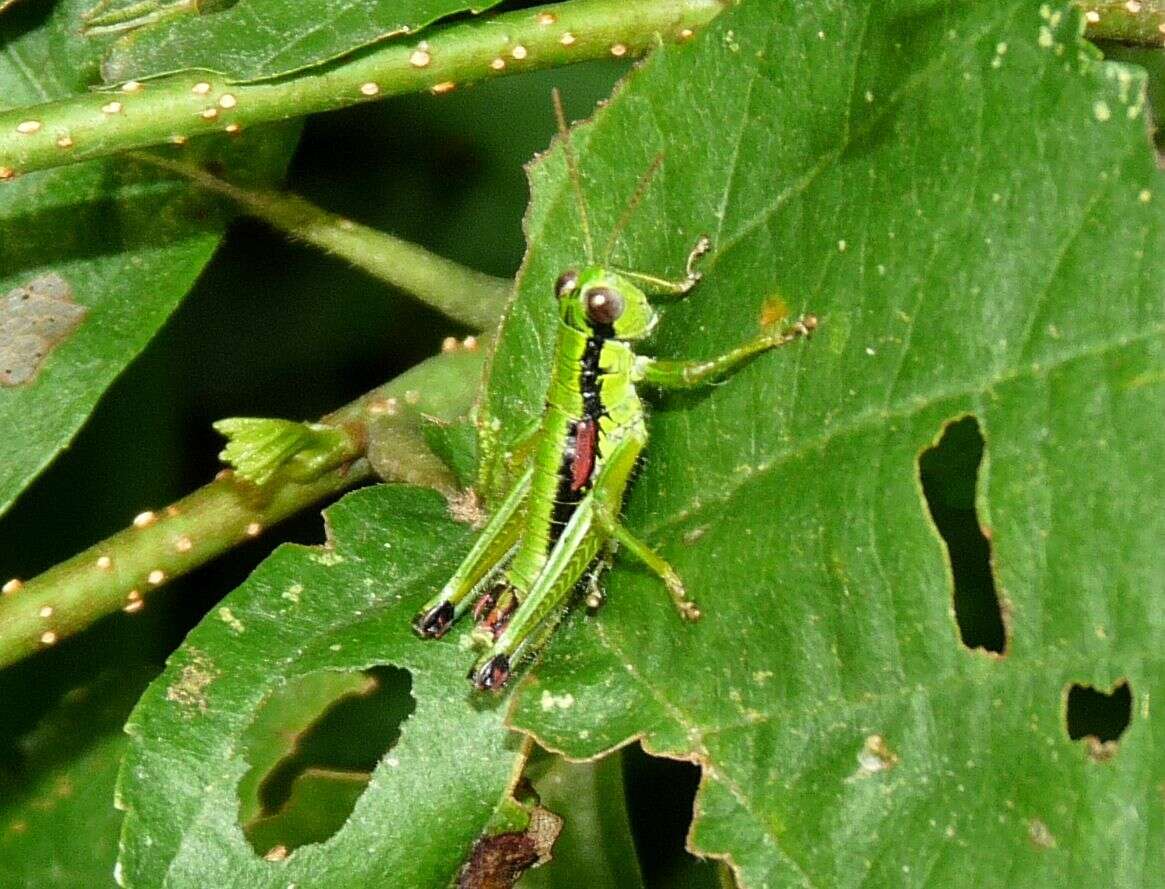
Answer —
949 472
660 794
1099 718
312 748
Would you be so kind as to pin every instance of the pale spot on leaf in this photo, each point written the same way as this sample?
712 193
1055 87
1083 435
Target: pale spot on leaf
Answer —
34 319
228 618
189 691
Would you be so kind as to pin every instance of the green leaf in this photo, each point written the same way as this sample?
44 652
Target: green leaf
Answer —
966 197
321 800
119 247
596 843
277 728
455 443
58 825
344 607
257 39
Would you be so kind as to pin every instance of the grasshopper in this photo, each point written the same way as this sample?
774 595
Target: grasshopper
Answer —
560 522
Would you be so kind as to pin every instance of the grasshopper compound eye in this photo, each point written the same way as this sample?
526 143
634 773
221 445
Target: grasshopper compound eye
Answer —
604 306
566 283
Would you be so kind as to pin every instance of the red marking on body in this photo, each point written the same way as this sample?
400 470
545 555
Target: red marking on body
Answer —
486 602
498 618
586 436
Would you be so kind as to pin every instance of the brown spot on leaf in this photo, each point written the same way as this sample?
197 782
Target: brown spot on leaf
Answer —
189 692
34 319
498 861
773 311
466 508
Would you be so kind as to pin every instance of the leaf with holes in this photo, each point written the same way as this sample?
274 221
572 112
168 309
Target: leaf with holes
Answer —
213 717
965 195
258 39
93 257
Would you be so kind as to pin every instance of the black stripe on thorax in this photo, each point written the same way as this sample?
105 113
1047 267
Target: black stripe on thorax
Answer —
593 409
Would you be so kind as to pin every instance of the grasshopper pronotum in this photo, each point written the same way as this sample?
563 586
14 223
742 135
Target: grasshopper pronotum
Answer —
563 512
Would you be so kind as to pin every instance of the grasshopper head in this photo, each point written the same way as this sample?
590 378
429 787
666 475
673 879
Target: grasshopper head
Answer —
597 300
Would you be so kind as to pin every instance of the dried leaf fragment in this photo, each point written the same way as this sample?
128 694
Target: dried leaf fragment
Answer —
498 861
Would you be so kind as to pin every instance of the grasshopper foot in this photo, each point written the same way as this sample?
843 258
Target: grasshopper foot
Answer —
434 623
686 607
692 275
492 675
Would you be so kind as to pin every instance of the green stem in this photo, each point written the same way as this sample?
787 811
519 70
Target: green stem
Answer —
123 570
1140 22
181 106
461 294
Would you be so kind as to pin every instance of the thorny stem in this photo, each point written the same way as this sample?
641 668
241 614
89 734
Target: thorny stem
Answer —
122 570
182 106
464 295
1140 22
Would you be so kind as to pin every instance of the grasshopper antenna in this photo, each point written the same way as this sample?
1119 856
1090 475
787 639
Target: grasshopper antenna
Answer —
632 205
572 169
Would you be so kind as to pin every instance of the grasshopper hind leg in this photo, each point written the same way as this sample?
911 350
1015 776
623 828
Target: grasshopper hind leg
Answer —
486 559
494 669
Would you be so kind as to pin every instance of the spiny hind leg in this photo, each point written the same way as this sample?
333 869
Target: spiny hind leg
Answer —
494 669
542 606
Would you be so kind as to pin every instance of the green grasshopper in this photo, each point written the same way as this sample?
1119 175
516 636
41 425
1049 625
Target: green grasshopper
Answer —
560 521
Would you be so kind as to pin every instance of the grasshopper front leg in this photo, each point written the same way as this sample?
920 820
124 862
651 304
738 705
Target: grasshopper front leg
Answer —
666 287
669 374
